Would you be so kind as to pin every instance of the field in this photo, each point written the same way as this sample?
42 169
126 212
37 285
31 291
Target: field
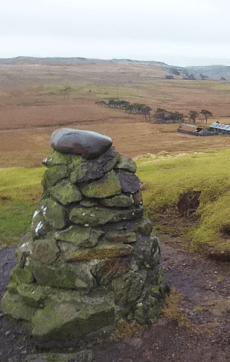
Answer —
33 105
170 166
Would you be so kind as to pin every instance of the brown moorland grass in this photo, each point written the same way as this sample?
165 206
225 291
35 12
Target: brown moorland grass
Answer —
31 108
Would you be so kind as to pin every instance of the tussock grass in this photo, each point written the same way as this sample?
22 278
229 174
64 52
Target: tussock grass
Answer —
87 88
173 310
20 190
166 177
127 329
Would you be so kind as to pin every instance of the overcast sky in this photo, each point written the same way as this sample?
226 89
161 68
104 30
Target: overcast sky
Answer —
177 32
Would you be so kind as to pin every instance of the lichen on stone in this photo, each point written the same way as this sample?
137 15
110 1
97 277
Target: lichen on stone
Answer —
108 185
90 259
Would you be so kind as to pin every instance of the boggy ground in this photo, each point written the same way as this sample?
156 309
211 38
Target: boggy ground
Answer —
194 326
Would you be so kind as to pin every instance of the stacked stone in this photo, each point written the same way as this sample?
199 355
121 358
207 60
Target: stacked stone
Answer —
90 260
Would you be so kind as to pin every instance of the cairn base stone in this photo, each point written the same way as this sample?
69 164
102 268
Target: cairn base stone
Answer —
90 259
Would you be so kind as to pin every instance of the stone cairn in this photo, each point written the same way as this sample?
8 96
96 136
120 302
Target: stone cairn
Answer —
90 259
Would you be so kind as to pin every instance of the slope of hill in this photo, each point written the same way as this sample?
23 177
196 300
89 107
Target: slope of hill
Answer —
190 72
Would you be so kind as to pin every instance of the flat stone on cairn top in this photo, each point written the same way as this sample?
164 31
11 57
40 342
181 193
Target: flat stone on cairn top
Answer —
88 144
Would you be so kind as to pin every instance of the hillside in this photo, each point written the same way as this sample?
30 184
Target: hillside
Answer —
214 72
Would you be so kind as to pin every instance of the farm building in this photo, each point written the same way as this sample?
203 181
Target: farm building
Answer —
193 130
218 128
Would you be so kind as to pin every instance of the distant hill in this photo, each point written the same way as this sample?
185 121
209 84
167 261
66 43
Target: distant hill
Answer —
213 72
201 72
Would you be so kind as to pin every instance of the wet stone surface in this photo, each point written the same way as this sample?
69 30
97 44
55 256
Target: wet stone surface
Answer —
90 259
86 143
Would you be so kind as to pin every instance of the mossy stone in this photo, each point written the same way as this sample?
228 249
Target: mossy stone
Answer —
53 213
89 202
110 165
144 226
100 215
24 252
45 251
64 275
80 236
107 270
126 163
61 320
147 252
39 225
32 294
12 287
13 305
121 237
53 276
108 185
118 201
102 252
87 170
128 287
22 275
53 175
65 192
56 158
137 285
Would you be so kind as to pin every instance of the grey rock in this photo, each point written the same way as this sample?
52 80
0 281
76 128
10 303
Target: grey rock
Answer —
53 175
45 251
39 226
147 252
65 192
89 202
129 182
106 186
63 275
126 163
59 320
144 226
85 237
86 143
118 201
53 213
101 215
84 170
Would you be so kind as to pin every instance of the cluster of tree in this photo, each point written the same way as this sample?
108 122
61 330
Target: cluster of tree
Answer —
189 77
174 71
163 116
203 77
135 108
193 115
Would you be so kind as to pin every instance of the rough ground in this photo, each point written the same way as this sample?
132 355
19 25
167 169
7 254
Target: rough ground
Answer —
199 331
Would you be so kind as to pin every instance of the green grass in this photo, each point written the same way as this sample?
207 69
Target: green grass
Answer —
89 88
166 177
20 190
